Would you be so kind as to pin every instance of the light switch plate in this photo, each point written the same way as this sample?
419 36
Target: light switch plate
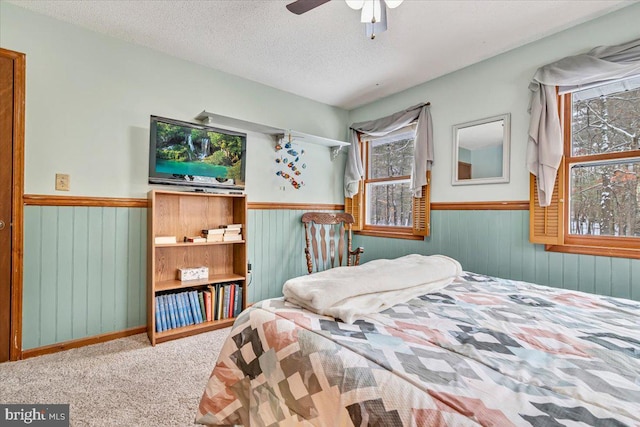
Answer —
62 182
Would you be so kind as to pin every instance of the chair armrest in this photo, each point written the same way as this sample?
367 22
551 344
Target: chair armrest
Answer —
356 254
357 251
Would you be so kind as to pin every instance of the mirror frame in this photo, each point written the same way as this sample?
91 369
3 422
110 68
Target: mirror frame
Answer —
506 143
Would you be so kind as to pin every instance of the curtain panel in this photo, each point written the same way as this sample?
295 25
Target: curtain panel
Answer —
422 151
545 143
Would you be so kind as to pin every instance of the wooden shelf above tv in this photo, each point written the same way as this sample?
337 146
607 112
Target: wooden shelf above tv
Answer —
209 118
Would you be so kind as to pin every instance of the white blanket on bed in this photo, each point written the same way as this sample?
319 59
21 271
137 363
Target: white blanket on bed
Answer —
349 293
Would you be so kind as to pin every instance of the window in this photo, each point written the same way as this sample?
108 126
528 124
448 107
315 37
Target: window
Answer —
388 206
388 178
601 170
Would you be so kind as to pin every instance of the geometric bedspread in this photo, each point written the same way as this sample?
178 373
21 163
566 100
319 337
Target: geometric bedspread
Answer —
482 351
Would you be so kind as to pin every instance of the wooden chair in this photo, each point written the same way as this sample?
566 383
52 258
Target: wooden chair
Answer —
322 233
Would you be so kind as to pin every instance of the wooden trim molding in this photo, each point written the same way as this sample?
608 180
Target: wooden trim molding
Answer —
594 250
81 342
295 206
17 216
513 205
112 202
389 234
46 200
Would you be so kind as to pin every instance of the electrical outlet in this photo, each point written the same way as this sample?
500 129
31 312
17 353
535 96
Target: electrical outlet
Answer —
62 182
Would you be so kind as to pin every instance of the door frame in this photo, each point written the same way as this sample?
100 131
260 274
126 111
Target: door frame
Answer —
17 205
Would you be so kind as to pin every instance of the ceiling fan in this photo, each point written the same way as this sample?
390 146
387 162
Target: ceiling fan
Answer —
374 12
302 6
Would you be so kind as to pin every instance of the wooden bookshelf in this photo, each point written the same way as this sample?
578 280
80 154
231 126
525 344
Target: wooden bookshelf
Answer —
180 214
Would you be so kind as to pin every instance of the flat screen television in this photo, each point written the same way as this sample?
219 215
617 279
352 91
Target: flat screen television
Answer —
195 155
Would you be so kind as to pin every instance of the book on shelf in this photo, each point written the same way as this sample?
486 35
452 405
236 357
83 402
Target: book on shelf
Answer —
231 226
227 295
214 301
210 231
229 307
171 306
161 306
195 306
167 307
207 304
187 308
203 311
159 325
163 240
195 239
182 320
220 301
199 307
232 237
214 238
228 231
238 301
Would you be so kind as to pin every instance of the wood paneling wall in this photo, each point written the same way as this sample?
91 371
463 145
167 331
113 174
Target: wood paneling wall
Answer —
85 267
497 243
276 251
84 272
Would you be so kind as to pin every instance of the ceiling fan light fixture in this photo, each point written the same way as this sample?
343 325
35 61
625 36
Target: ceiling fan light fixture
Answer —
373 28
392 4
355 4
371 11
373 15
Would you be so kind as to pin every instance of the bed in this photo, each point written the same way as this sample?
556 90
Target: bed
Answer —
478 351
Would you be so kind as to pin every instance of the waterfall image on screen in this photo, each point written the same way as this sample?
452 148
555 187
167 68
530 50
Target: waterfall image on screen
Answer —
195 154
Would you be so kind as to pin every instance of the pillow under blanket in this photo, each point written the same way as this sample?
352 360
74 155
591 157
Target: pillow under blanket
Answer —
349 293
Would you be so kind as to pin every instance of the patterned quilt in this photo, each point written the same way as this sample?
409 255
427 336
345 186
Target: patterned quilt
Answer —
482 351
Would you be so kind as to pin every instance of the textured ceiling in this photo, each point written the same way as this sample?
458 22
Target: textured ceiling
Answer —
324 54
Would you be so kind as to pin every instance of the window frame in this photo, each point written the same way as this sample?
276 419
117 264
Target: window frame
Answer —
399 232
616 246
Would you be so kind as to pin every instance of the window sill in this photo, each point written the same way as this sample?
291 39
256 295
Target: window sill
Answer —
407 235
595 250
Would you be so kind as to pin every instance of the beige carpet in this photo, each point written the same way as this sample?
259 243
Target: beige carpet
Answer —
124 382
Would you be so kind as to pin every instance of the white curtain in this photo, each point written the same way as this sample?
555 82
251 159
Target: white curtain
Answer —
545 145
422 150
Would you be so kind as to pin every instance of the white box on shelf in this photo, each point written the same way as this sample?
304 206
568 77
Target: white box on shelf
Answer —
195 273
163 240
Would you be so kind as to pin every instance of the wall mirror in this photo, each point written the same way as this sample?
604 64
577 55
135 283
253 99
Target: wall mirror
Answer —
481 151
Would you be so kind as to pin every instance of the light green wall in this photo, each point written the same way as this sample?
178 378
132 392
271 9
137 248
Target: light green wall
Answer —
496 86
89 98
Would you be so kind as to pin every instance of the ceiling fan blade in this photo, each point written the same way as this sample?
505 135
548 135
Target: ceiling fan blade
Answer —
301 6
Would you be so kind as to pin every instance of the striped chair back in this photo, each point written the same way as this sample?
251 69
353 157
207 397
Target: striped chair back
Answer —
328 240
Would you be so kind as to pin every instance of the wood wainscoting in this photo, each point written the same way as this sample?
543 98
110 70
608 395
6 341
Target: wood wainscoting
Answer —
98 293
85 257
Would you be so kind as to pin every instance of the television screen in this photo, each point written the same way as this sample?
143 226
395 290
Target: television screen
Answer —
196 155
